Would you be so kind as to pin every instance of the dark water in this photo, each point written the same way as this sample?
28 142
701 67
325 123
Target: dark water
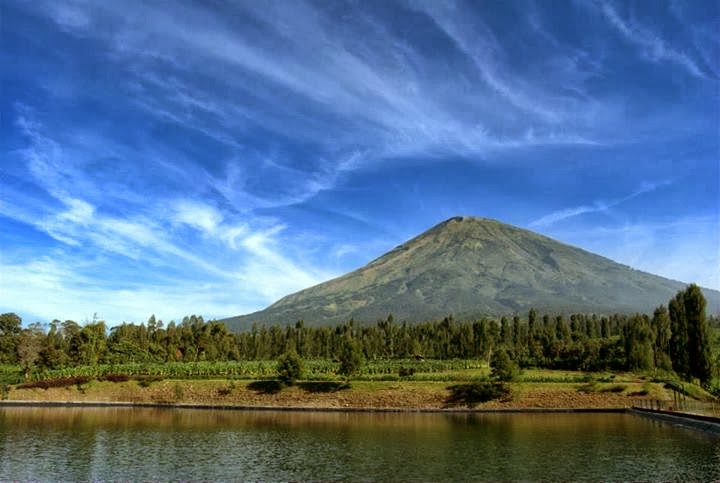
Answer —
81 444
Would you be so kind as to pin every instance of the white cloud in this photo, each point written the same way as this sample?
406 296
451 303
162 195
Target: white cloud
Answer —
198 215
328 95
652 46
52 289
382 85
596 207
237 257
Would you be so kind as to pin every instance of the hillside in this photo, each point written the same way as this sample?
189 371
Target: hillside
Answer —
470 267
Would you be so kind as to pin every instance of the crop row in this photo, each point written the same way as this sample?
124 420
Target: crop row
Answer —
314 369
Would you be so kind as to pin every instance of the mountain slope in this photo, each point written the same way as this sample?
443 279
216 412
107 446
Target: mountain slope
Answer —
470 267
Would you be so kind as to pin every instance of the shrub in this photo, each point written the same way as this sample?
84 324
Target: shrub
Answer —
289 367
406 372
351 359
503 367
477 392
145 381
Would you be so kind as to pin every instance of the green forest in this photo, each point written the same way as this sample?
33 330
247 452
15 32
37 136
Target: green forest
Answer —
678 340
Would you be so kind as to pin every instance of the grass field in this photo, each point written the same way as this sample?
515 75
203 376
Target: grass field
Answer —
377 386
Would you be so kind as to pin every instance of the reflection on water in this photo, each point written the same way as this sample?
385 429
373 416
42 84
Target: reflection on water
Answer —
174 444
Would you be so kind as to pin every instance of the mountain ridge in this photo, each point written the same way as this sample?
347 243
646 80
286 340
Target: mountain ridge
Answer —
474 267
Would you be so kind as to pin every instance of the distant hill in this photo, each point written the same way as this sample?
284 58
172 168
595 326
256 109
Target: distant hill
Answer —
472 267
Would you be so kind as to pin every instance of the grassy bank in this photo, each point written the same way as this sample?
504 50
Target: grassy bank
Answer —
425 384
544 389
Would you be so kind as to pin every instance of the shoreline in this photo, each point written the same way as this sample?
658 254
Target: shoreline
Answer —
234 407
361 395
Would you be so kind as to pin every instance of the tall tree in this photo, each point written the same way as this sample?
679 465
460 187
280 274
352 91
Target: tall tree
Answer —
698 330
639 342
10 328
679 335
663 334
29 347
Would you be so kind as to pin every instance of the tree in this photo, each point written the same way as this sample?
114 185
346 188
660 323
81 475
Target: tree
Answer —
639 341
10 328
698 349
93 343
289 367
505 332
679 335
503 368
351 358
54 354
663 334
29 347
690 335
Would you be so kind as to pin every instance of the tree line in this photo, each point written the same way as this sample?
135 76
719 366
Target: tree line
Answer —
676 338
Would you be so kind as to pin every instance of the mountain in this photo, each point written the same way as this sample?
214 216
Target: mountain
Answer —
472 267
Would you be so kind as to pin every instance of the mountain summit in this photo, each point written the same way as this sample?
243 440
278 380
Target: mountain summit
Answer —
471 267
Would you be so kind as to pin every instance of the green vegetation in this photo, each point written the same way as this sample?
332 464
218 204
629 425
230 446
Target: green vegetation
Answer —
351 359
447 350
503 368
289 367
476 392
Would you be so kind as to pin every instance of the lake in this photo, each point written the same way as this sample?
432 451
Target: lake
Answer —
83 444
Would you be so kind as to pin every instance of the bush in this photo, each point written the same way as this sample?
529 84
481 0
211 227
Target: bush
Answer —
477 392
145 381
406 371
351 359
289 367
503 367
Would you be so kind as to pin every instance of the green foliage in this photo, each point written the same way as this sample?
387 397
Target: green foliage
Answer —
690 342
661 326
676 338
699 342
503 367
476 392
10 328
639 341
29 345
146 381
406 372
289 367
351 359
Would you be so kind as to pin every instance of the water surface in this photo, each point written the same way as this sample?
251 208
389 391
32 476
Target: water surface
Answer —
82 444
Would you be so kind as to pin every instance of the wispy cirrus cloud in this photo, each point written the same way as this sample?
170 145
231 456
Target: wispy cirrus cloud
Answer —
652 46
156 145
185 235
389 92
596 207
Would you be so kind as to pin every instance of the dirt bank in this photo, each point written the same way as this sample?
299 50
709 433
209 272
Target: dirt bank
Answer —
360 394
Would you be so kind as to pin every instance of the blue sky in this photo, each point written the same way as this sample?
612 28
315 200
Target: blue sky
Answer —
178 157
